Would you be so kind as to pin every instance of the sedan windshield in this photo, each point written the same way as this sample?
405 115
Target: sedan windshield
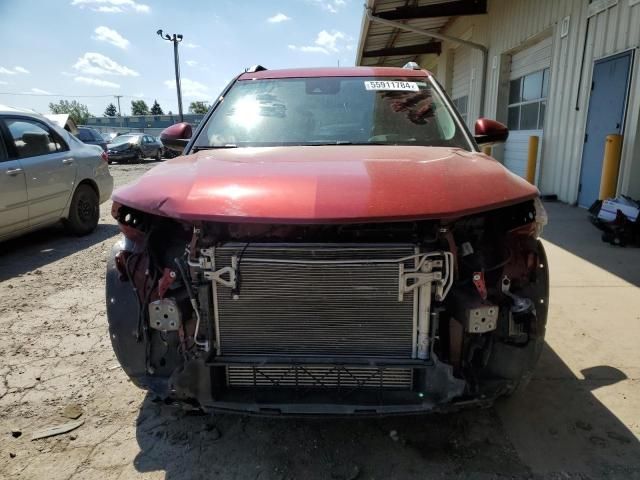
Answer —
125 139
332 111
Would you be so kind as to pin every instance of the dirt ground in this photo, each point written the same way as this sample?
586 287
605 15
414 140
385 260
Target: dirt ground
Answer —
579 417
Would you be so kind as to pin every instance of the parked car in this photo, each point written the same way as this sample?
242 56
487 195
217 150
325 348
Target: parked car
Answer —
332 241
109 136
134 146
48 175
90 136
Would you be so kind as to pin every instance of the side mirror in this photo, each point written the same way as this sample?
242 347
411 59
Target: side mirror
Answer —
490 132
176 136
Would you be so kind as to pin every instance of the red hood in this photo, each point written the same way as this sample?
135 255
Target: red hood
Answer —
325 184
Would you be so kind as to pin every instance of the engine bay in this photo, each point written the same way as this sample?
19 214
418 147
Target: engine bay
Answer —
424 313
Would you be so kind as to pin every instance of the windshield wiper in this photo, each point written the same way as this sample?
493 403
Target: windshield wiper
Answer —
214 147
345 142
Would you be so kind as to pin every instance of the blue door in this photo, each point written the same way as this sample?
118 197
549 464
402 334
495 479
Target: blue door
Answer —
606 114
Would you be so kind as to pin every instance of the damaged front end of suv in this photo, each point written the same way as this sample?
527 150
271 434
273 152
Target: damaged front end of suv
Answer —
328 279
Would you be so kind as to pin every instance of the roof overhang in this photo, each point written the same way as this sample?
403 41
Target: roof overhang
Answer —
384 45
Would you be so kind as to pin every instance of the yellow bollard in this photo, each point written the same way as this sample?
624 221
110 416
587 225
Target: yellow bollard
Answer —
610 166
532 159
486 150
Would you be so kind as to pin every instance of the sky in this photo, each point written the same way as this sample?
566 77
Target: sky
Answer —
91 50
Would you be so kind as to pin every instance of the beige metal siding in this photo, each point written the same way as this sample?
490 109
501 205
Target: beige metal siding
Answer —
461 72
513 25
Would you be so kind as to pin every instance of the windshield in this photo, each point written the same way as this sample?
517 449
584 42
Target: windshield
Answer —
84 134
332 111
124 139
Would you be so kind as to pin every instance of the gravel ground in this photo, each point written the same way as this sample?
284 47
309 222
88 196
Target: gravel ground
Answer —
55 354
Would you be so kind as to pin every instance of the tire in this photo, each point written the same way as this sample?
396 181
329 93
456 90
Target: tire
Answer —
84 211
159 155
139 156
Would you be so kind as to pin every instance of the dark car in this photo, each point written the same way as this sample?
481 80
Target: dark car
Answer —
134 146
332 241
91 136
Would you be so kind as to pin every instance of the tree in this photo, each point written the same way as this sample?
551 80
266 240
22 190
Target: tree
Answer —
110 111
78 112
156 109
198 107
139 107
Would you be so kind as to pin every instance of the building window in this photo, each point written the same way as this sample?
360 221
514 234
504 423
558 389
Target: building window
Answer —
462 106
528 101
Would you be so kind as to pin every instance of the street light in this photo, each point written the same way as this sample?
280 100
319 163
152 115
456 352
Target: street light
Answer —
176 39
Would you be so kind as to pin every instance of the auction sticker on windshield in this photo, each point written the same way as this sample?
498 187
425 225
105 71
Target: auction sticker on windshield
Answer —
391 85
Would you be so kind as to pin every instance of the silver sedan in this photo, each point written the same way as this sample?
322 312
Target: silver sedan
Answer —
48 175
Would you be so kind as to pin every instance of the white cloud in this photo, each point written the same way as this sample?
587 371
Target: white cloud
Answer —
190 88
278 18
16 69
113 6
106 34
104 9
329 40
96 82
191 63
330 5
325 43
191 45
2 82
40 91
92 63
309 49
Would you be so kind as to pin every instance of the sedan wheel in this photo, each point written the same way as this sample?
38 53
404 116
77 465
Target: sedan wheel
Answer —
158 155
84 211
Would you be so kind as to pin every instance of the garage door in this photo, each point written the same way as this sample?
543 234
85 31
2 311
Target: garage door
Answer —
528 90
460 86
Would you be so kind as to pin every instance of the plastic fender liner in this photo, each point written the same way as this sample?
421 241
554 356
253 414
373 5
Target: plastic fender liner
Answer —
122 313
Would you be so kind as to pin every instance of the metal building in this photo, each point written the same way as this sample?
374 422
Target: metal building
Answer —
565 70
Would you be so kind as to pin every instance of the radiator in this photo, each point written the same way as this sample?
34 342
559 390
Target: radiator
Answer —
314 300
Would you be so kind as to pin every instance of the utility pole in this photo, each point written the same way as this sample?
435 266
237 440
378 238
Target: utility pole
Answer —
118 97
176 39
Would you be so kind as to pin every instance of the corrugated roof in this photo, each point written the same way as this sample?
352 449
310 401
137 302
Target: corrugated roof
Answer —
375 36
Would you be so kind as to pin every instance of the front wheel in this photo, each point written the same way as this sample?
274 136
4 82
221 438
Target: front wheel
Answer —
159 155
84 211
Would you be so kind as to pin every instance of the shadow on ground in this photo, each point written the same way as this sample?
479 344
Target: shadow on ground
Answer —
555 427
39 248
570 228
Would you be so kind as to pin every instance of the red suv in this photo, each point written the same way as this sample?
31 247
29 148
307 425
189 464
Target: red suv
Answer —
332 241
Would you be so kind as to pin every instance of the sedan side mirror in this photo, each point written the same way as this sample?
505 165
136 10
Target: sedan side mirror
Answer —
176 136
489 132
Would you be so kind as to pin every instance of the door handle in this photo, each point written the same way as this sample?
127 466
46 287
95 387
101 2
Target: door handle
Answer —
67 161
14 171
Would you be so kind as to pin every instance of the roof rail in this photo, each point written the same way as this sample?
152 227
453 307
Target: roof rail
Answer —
255 68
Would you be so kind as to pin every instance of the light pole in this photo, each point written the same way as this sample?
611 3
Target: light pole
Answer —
176 39
118 97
